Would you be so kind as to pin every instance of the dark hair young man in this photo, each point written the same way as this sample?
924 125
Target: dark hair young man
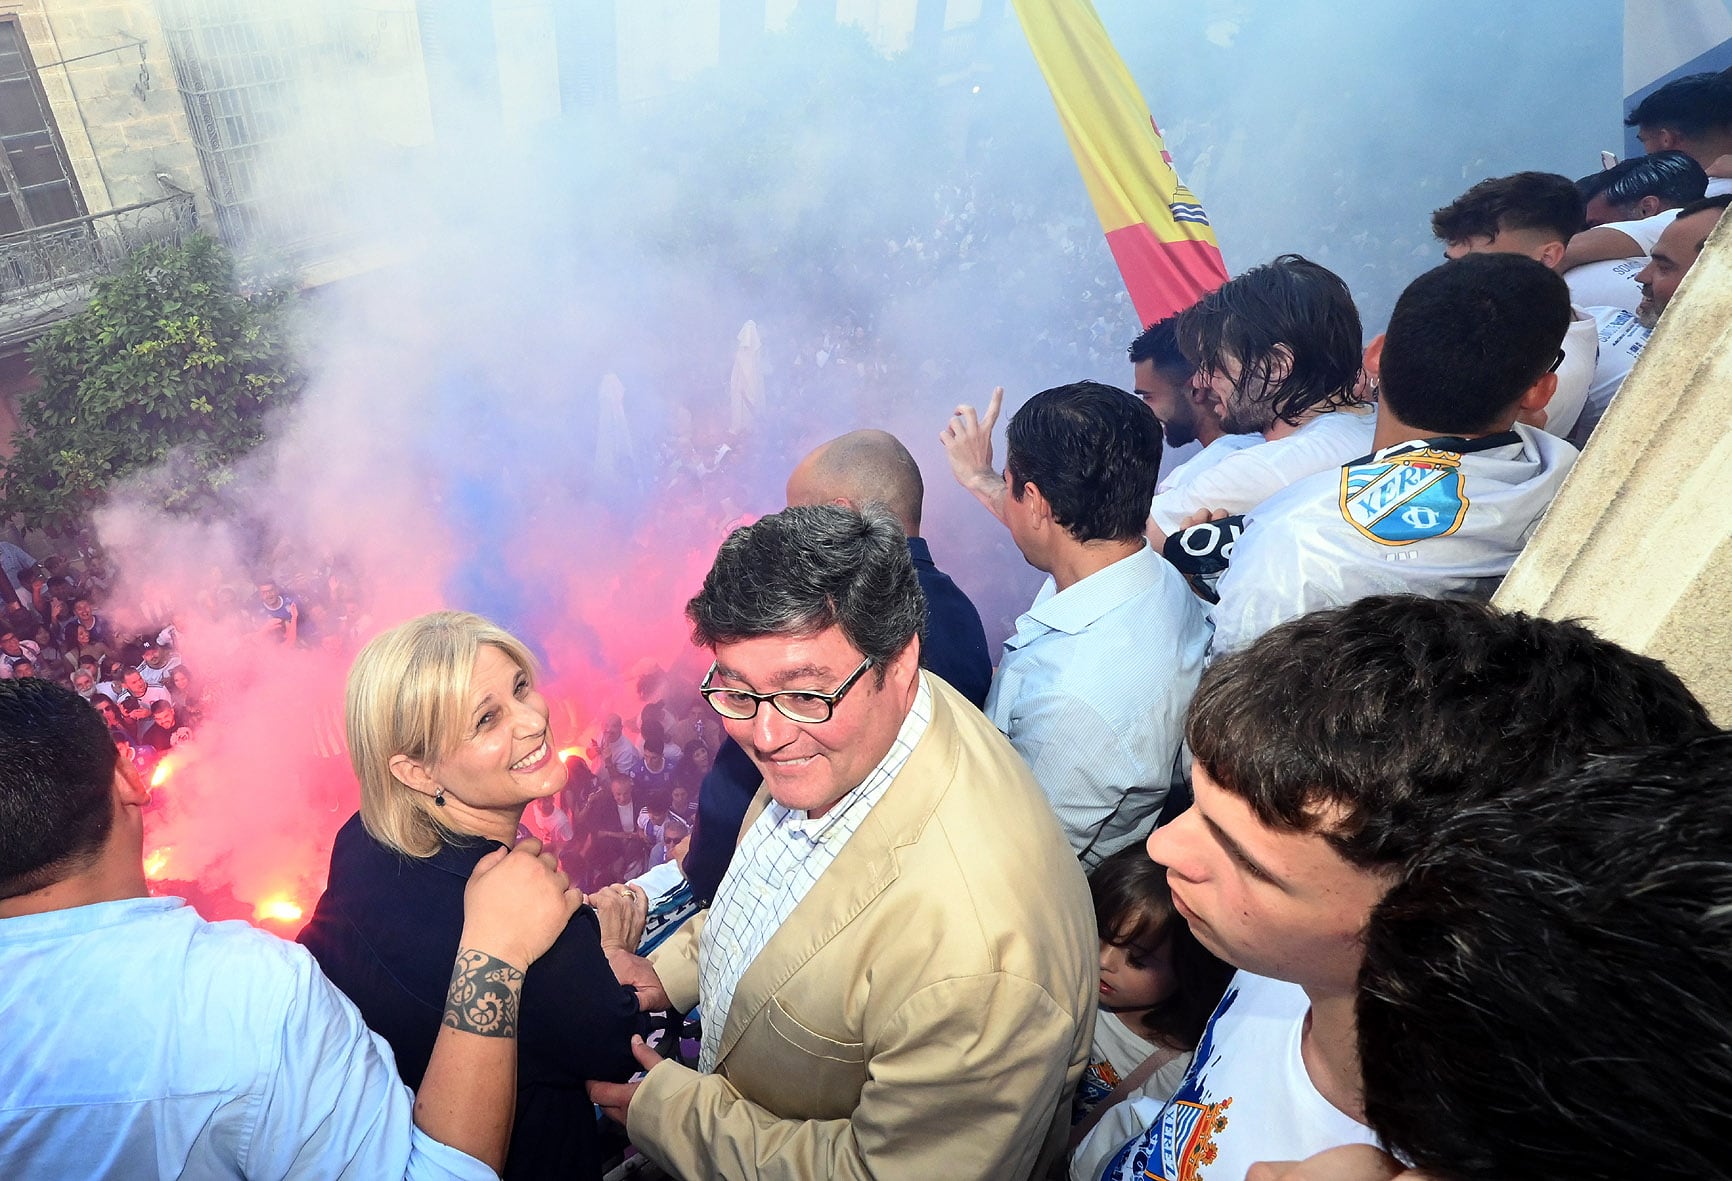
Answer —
1628 207
1455 482
1092 687
1690 114
1556 970
1187 409
1640 187
1536 214
1531 213
1327 754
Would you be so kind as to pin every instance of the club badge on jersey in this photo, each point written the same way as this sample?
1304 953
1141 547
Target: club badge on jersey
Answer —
1406 493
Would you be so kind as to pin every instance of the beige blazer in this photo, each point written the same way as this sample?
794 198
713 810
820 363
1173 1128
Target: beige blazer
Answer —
926 1010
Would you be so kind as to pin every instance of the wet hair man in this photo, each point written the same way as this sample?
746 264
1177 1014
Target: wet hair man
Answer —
1455 481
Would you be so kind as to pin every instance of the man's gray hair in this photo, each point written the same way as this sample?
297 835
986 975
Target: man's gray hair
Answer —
809 568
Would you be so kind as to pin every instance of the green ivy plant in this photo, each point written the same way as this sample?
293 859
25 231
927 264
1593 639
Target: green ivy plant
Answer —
171 366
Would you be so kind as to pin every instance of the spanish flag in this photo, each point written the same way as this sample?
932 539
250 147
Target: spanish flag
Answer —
1158 233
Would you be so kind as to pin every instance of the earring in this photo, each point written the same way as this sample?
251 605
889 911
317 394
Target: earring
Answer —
439 796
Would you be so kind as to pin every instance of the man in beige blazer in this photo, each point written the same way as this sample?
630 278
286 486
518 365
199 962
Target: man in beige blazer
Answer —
898 974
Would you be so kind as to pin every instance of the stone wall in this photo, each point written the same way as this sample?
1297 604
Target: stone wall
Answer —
1639 543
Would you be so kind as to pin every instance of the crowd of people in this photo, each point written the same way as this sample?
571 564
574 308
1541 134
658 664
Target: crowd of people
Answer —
62 622
1265 849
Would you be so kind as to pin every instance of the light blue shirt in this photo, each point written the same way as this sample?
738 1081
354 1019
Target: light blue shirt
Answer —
141 1041
1092 691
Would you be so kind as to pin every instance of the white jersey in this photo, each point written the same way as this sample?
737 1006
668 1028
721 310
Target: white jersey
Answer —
1612 282
1622 339
1439 517
1718 186
1205 459
1575 374
1243 480
1246 1098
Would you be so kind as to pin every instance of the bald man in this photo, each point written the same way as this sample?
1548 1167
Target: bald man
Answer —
857 469
873 467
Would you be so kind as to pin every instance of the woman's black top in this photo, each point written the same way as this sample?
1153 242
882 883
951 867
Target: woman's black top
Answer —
386 933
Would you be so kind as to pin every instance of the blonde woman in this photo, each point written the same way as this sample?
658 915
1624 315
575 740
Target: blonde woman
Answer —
450 741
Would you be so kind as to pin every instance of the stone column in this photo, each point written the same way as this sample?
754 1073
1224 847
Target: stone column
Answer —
1638 545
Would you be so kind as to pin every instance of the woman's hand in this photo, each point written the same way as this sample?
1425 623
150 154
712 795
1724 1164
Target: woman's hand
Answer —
622 910
516 904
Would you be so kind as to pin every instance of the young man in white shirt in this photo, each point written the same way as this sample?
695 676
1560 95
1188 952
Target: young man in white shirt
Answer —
1325 756
1277 350
1536 214
1691 114
1455 481
1628 205
1187 410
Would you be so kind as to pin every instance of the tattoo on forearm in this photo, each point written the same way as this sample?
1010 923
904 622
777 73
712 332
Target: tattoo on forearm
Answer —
484 995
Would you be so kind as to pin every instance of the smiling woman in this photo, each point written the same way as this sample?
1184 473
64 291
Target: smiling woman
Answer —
449 738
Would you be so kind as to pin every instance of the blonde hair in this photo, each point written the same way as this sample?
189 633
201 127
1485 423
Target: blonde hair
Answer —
407 695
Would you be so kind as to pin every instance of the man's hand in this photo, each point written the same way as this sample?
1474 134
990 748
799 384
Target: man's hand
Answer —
516 904
1158 538
967 440
615 1098
638 974
1352 1162
1202 517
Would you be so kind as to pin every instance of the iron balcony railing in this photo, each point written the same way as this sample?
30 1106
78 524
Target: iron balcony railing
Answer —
46 272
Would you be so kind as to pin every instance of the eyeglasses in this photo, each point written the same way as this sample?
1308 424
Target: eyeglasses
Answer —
797 705
1556 363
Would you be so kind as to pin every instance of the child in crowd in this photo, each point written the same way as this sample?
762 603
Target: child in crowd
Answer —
1158 987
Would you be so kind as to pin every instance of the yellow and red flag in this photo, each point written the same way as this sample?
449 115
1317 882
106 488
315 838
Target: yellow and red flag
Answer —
1156 228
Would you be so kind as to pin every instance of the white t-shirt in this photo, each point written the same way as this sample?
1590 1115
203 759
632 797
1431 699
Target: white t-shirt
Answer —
1246 1098
1622 339
1575 374
1117 1052
1612 282
1244 479
1718 186
1205 459
1409 520
552 827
